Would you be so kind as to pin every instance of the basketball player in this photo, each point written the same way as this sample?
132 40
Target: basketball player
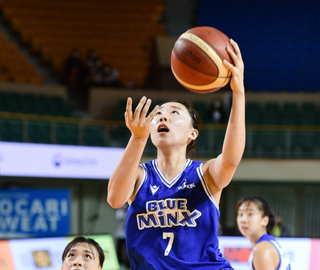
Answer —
255 221
82 254
173 217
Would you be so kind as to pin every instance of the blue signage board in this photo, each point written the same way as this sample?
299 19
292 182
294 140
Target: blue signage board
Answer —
34 212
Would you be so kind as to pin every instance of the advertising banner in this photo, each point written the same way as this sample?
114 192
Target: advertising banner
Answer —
299 250
57 161
46 253
34 212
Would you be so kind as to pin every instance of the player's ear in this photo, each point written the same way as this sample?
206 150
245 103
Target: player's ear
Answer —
194 134
265 221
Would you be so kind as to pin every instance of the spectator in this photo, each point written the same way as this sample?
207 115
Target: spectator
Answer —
93 64
73 66
101 74
111 76
216 111
280 229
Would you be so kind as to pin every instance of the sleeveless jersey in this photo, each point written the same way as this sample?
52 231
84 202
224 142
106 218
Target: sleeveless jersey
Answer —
284 263
174 225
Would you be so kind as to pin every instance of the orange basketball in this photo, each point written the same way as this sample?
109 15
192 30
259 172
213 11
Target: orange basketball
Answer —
196 59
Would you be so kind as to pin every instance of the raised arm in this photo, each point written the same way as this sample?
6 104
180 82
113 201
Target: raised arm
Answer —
222 169
125 176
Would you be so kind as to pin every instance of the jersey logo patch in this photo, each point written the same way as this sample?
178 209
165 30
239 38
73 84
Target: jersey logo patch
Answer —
185 185
154 189
167 213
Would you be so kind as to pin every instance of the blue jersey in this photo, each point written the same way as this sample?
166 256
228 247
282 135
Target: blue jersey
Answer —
284 263
174 225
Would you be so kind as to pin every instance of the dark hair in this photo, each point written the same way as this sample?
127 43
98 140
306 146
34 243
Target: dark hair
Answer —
90 242
196 122
263 206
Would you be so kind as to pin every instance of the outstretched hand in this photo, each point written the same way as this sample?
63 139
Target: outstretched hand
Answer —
138 122
237 70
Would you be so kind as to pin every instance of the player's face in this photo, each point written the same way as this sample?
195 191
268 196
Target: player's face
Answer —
82 257
172 126
250 221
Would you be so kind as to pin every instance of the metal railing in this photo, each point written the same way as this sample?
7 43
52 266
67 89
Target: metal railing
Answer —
262 141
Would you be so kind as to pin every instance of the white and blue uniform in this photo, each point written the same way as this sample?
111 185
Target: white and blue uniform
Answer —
284 263
174 225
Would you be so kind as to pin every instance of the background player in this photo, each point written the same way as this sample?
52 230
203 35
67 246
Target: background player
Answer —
256 220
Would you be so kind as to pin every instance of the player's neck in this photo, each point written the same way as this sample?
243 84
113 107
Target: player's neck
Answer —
171 166
255 238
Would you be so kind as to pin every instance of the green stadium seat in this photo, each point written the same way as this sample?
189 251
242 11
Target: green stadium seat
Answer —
267 143
290 113
67 133
11 130
202 110
58 107
253 113
93 135
41 104
39 131
309 114
307 142
118 114
119 136
29 103
271 113
4 103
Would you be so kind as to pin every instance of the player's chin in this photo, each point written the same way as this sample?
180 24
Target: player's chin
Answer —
244 232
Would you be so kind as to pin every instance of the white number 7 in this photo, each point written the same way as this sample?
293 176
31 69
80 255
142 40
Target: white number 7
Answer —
171 237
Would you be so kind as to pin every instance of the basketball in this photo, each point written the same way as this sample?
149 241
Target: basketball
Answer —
196 59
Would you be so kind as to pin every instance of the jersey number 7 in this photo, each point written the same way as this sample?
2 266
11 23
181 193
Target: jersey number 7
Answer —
169 235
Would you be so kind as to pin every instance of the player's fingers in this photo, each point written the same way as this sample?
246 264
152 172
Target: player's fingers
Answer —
139 107
145 108
227 64
236 54
236 49
126 118
128 113
152 113
237 61
232 55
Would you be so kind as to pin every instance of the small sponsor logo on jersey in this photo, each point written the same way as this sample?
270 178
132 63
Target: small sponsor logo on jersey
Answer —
154 189
186 185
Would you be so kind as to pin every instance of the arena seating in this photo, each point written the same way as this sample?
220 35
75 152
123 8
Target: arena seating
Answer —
14 65
34 104
121 33
278 40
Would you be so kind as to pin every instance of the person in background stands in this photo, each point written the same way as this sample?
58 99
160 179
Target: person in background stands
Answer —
280 229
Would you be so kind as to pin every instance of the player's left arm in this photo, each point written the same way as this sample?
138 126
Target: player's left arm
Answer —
222 169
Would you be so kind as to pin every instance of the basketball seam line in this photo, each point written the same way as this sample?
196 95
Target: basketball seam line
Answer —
207 49
207 74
